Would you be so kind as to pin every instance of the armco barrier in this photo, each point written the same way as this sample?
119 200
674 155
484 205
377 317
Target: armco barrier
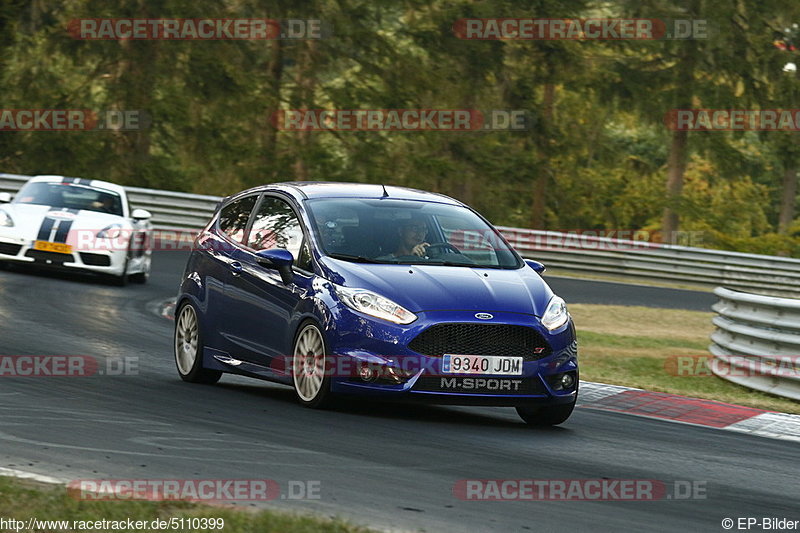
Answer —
601 255
757 341
584 254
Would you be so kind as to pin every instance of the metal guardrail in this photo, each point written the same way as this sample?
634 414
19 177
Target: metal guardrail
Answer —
601 255
757 342
572 253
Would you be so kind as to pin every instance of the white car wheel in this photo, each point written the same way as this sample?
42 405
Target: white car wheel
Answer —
311 384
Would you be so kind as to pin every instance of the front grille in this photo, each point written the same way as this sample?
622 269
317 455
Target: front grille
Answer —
481 339
54 257
9 248
99 260
480 385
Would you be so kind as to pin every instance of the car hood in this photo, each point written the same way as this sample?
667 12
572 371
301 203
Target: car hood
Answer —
433 287
28 219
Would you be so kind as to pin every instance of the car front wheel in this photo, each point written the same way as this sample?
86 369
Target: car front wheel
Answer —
311 381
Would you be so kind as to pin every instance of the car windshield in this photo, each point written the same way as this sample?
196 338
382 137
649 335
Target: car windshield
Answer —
407 232
70 196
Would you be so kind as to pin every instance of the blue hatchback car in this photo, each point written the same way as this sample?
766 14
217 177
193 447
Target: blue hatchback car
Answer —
341 288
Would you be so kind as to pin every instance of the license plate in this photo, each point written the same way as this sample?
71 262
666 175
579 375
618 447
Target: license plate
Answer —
493 365
57 247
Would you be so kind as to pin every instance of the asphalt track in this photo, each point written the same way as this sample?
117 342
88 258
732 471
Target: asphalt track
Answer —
389 466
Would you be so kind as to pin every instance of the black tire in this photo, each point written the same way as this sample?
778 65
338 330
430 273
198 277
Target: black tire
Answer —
139 278
122 279
552 415
317 398
193 371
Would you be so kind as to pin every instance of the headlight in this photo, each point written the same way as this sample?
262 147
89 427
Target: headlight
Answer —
5 220
375 305
556 314
114 231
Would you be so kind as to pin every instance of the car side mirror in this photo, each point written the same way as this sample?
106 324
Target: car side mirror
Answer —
536 265
279 259
141 214
5 197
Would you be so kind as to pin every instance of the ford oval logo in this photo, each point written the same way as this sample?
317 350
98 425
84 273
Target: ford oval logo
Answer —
484 316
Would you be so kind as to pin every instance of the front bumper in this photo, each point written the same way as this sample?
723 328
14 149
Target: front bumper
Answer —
100 261
358 341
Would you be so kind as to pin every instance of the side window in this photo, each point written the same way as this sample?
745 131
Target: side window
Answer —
276 226
233 217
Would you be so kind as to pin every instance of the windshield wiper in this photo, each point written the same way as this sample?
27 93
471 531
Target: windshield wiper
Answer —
444 263
356 258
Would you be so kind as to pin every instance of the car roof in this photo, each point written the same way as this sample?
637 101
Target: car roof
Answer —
302 190
113 187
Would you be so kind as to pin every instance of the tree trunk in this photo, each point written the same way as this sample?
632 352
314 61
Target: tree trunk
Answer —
676 166
275 71
137 78
543 168
788 198
676 160
305 82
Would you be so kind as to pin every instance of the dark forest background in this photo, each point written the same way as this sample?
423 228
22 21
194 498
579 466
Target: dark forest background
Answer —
598 156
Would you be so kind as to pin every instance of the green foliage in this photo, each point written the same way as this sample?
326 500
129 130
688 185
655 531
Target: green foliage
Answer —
596 159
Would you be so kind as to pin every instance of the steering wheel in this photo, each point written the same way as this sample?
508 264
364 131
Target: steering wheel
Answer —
444 246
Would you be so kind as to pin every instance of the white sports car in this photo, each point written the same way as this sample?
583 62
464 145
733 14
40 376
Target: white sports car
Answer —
75 223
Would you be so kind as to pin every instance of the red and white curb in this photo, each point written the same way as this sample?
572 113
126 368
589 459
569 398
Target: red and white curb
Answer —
694 411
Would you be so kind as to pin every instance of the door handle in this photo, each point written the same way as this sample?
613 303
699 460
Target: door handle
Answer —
236 268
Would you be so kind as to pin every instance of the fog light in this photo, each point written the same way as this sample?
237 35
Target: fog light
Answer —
367 374
567 381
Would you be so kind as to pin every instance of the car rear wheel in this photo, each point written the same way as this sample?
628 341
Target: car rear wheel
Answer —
189 348
546 416
312 384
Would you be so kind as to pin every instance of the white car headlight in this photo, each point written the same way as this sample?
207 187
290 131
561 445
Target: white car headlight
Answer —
372 304
6 220
556 314
114 231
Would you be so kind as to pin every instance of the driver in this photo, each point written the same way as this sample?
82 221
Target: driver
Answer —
412 239
105 204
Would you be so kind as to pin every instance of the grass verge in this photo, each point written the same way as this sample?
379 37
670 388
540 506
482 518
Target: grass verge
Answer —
23 499
637 347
